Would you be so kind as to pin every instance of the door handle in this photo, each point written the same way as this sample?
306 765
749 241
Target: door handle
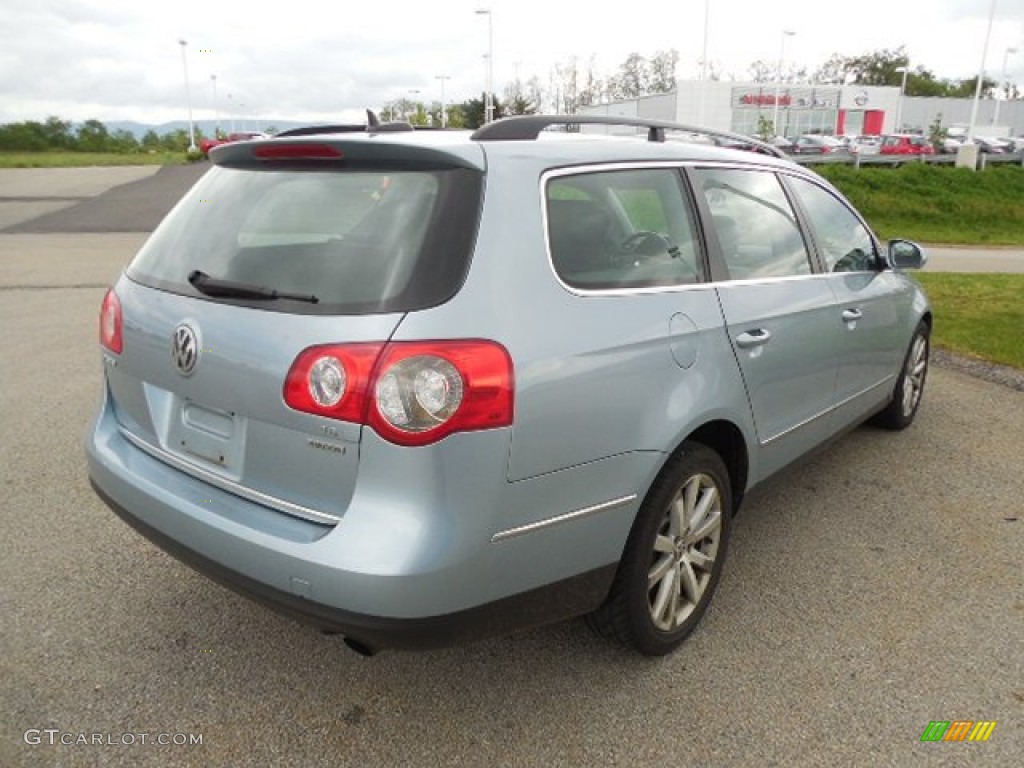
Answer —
852 315
755 338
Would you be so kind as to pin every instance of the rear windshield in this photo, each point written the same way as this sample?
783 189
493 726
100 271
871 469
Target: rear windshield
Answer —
360 241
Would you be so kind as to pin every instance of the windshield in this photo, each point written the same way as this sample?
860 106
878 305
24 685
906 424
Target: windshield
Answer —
360 241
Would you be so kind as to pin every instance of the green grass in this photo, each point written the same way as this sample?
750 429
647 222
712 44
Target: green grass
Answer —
937 204
82 159
978 315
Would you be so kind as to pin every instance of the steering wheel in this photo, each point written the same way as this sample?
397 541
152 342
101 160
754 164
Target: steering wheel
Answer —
645 244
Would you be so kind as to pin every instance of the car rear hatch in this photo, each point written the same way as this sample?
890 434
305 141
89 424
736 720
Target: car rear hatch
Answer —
284 245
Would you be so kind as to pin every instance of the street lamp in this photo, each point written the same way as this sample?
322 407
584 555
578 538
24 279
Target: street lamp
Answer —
778 79
188 98
488 98
216 114
444 115
981 75
899 103
1006 56
704 63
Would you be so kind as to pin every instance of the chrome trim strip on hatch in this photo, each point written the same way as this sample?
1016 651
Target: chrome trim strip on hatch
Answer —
559 519
230 486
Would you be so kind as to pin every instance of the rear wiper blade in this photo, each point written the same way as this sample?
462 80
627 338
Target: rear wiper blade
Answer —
215 286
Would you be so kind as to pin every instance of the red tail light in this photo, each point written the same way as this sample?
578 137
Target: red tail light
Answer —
410 393
111 323
296 152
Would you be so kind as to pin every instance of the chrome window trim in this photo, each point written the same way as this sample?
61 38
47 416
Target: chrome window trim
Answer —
236 489
581 170
578 514
677 165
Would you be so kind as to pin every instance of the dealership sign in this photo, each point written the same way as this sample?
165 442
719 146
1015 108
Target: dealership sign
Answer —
793 98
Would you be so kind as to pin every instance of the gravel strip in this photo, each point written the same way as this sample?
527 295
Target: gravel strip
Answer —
982 369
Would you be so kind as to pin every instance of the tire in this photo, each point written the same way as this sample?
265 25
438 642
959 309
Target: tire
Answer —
671 563
906 397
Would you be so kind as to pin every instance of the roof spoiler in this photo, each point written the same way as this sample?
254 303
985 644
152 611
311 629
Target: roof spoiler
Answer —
373 125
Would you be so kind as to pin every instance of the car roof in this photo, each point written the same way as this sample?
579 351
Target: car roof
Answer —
552 140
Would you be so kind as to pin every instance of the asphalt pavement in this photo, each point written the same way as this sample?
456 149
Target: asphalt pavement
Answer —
872 589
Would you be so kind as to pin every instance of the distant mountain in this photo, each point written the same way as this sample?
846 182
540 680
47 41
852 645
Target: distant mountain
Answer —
206 126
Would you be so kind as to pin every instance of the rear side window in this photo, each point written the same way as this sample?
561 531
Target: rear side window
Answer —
754 223
360 241
614 230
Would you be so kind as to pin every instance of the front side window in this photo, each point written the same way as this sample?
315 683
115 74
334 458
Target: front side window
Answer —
754 223
613 230
843 241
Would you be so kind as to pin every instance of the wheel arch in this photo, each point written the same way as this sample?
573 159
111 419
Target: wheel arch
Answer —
726 439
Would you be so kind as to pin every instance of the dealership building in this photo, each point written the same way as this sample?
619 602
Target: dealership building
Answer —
800 109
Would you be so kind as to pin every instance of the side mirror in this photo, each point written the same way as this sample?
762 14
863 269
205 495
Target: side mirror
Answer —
903 254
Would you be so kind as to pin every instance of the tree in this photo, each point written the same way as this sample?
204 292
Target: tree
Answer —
57 133
473 111
123 141
877 67
93 136
632 79
24 137
662 71
761 71
150 141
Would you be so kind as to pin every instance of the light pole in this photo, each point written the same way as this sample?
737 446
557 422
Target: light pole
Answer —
444 111
412 92
899 103
488 98
704 63
778 80
1006 56
216 114
981 75
188 98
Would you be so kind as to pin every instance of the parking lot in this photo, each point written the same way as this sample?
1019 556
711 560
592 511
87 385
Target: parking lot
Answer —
870 590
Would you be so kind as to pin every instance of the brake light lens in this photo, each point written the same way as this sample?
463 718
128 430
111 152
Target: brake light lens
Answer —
111 323
297 152
410 393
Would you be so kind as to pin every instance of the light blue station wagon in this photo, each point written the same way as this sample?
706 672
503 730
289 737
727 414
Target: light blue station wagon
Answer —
421 387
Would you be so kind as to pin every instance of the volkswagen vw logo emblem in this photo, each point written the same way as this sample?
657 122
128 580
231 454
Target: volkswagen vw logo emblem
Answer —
185 349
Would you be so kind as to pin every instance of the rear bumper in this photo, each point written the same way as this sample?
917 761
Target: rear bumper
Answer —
409 566
544 605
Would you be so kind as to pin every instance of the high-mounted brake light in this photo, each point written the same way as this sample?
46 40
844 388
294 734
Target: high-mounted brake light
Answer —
111 323
410 393
296 152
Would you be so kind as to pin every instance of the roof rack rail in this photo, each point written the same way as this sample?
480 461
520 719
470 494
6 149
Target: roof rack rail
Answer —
373 125
529 127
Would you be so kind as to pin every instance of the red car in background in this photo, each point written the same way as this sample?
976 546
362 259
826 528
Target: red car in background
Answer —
906 144
205 145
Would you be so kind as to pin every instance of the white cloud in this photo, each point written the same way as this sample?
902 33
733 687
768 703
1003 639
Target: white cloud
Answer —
314 59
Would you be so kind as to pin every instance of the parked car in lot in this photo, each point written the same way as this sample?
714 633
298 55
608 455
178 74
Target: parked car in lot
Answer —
813 144
1015 143
906 144
205 145
420 387
993 146
866 145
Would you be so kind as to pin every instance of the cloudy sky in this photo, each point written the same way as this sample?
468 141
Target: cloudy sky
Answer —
329 59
